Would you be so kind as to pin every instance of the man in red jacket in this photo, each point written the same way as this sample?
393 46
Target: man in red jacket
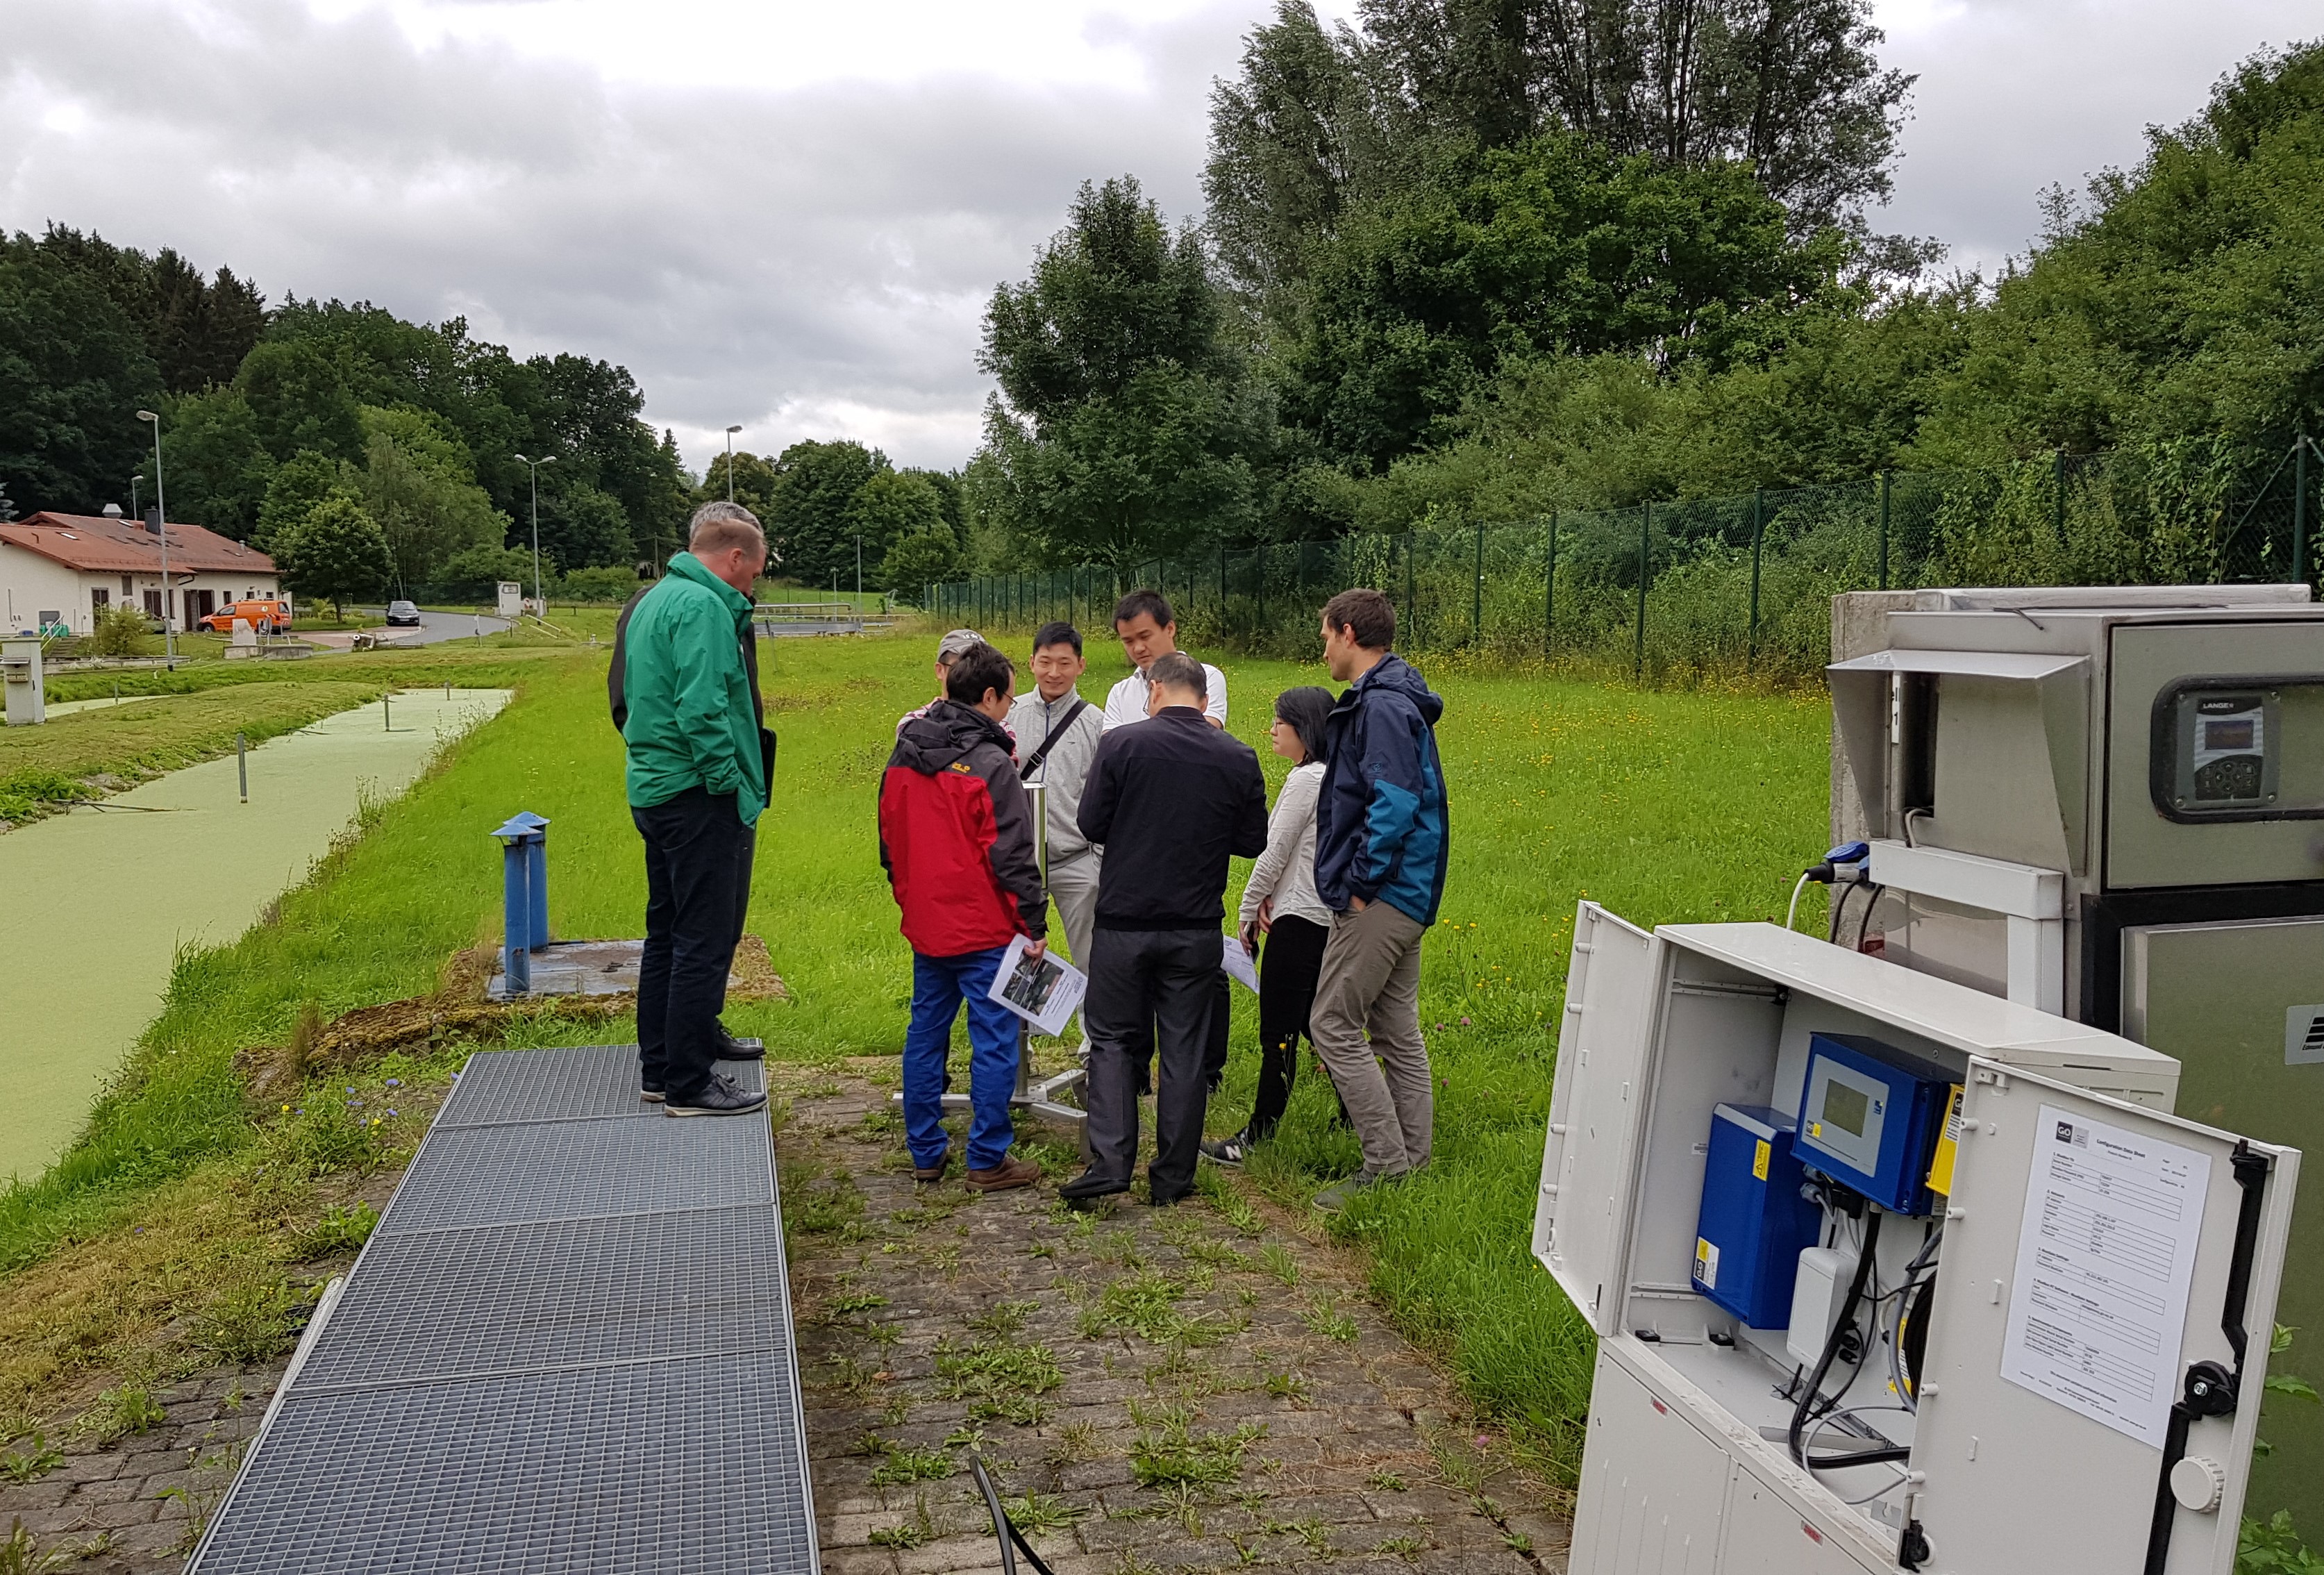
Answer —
956 840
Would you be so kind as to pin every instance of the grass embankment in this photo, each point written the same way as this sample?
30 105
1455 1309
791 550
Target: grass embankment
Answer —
86 754
1664 805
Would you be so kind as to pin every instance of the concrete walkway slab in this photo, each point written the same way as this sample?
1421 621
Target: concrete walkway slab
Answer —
98 901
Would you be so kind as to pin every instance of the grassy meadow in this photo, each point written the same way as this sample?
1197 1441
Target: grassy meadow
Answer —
1665 806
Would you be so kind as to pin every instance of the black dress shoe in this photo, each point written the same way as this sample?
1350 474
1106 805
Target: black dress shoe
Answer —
1088 1186
730 1048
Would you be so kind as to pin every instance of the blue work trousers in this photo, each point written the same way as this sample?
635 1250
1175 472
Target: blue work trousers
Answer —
939 984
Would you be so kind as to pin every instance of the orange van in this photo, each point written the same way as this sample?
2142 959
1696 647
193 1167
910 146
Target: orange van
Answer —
269 616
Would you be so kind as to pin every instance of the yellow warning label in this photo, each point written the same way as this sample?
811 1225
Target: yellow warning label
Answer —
1706 1263
1760 1154
1941 1164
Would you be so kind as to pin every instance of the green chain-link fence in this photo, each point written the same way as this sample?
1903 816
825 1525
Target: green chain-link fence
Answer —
1714 587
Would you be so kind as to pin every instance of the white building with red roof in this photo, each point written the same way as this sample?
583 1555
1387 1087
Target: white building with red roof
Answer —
60 568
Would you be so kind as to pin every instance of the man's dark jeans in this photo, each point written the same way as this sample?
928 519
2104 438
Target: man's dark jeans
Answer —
1142 982
697 876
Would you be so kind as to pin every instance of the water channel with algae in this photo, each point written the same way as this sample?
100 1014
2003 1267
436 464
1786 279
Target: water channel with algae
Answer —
99 901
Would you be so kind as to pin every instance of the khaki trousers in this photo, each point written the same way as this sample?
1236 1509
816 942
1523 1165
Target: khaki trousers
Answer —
1073 889
1366 1027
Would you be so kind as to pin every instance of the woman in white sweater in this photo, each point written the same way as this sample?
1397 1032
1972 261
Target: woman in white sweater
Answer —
1280 902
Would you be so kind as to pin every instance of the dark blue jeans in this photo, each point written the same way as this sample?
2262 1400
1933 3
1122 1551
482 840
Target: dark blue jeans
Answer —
939 985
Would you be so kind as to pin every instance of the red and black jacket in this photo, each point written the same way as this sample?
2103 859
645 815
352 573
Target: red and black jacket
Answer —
957 835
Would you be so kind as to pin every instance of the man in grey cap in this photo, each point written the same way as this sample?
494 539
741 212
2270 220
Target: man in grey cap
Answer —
949 649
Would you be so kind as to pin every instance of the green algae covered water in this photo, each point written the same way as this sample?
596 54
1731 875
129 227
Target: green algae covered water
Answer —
95 905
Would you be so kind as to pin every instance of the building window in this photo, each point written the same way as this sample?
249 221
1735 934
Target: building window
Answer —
98 596
125 587
153 603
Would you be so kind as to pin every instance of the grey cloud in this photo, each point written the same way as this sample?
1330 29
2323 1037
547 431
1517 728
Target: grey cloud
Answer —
791 259
2016 95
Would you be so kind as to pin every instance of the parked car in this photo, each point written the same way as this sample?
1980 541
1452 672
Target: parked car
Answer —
402 615
267 614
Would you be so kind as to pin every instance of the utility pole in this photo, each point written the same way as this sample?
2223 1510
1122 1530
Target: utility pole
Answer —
161 507
534 466
859 573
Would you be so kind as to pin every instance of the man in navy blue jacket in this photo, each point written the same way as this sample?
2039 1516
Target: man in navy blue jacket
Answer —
1382 839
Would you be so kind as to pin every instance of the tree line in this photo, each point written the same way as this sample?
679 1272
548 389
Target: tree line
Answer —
374 455
1469 261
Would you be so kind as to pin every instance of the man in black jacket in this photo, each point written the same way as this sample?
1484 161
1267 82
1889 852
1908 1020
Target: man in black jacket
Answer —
1169 801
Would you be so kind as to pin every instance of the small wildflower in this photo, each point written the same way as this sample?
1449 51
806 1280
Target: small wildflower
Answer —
395 1082
1464 1022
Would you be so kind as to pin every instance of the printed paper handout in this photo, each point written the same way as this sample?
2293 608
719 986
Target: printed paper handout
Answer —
2105 1257
1238 964
1043 990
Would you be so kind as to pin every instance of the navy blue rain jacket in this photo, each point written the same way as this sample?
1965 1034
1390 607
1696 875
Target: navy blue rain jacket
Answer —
1382 827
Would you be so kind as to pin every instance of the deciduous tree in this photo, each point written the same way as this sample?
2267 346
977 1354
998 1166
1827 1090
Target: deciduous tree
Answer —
1128 424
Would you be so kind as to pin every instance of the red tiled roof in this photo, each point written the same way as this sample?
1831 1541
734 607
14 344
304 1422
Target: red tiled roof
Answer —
97 544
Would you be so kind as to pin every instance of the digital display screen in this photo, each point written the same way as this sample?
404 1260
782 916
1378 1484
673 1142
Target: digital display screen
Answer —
2234 733
1845 1106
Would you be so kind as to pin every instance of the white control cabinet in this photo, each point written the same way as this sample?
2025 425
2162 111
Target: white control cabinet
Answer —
2044 1390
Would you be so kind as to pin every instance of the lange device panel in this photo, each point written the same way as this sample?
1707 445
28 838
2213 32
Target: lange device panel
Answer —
2215 758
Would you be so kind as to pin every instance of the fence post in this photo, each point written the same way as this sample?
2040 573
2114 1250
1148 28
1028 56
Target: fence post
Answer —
1883 529
1549 596
1411 606
2299 510
1477 607
1646 544
1759 534
2058 485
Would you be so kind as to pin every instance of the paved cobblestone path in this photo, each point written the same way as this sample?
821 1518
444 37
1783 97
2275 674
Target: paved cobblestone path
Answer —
1187 1388
1155 1389
132 1506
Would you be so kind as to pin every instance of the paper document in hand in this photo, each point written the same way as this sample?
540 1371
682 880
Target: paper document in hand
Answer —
1043 990
1239 965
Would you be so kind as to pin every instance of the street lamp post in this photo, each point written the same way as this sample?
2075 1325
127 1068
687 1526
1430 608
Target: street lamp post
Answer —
136 508
730 460
859 573
534 466
161 506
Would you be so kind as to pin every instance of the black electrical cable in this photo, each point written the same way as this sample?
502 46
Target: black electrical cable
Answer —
1813 1394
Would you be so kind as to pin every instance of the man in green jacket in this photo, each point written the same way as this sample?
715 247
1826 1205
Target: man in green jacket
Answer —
696 782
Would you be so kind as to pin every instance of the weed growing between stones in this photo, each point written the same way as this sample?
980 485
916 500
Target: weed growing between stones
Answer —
118 1413
1324 1317
1001 1382
36 1460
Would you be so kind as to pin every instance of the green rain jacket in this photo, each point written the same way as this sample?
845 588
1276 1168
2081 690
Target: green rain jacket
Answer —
691 720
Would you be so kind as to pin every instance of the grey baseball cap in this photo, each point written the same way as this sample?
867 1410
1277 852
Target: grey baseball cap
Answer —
959 643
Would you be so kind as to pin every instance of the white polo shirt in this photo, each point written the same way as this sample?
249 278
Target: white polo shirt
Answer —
1125 703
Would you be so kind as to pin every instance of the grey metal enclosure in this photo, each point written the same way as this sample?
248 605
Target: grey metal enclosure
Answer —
2109 803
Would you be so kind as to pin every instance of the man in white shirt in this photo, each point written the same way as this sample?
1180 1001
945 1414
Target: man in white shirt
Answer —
1149 628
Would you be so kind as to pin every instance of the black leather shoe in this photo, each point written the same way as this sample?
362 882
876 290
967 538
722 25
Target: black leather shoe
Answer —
721 1096
730 1048
1088 1186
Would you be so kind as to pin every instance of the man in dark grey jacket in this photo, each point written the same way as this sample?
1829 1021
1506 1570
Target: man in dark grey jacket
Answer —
1170 801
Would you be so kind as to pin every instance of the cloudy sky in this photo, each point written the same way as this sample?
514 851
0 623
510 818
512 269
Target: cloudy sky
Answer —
789 215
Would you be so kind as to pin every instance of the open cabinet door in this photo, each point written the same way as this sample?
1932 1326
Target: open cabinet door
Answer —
1589 1182
2100 1263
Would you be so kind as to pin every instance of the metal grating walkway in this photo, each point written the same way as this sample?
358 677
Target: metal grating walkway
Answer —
568 1346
